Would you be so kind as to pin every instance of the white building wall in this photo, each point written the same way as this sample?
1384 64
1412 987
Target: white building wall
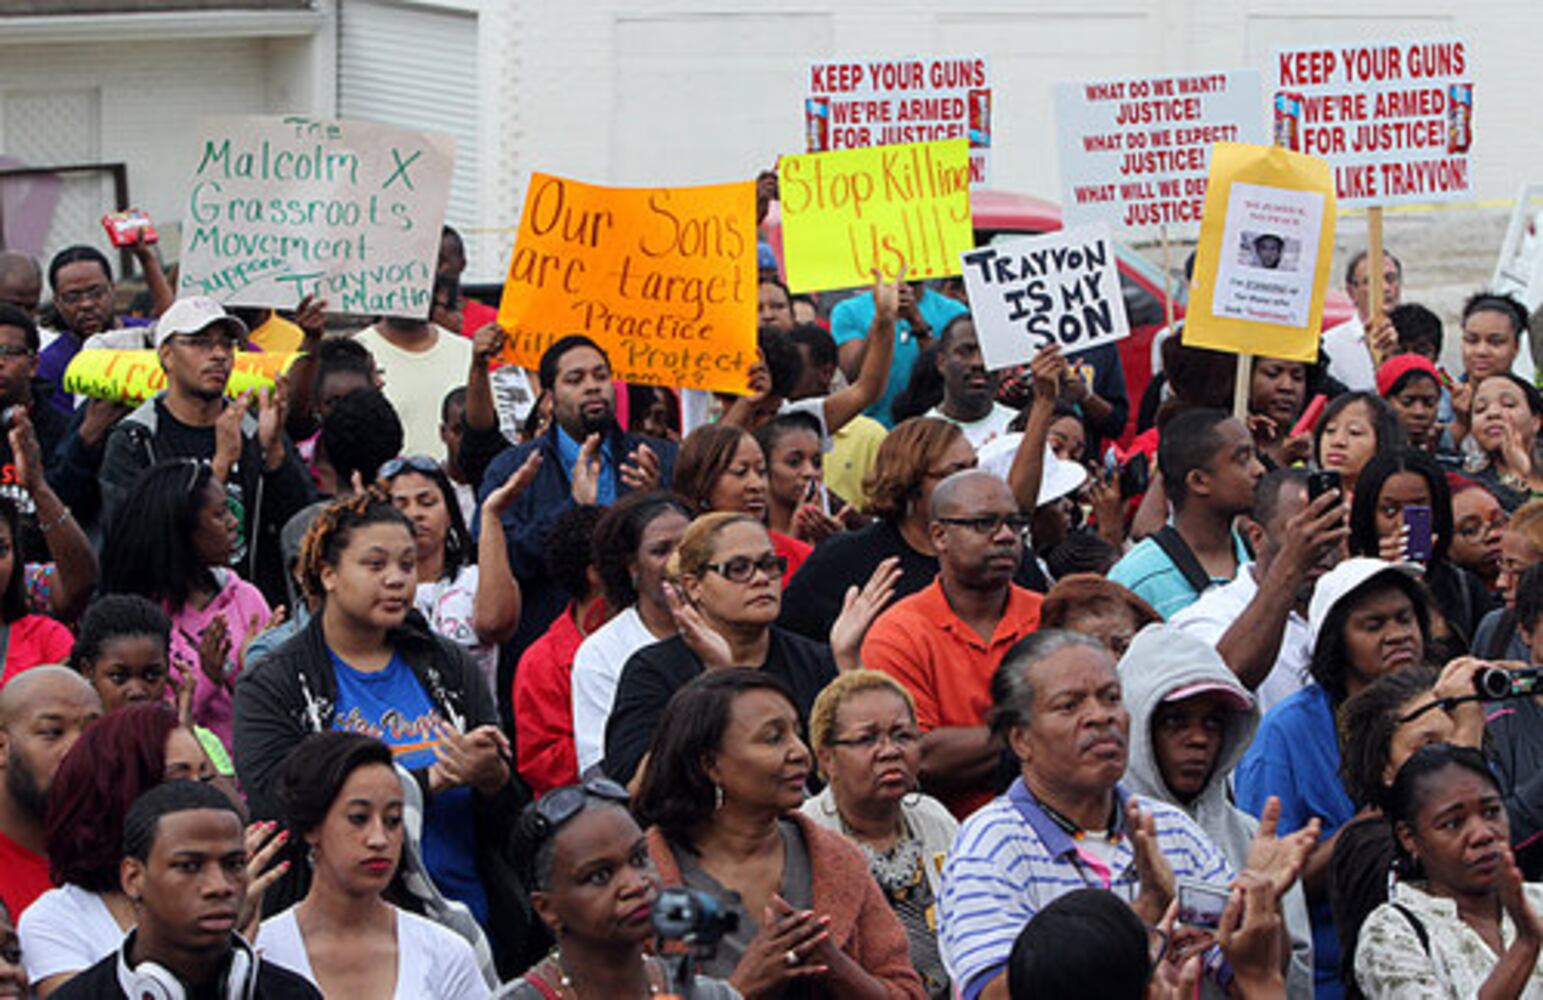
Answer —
683 91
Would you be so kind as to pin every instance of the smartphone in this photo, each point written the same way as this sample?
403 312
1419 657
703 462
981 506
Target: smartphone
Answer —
1134 477
1319 483
123 228
1201 903
1417 518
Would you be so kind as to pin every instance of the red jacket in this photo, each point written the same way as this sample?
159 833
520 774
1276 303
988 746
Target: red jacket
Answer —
861 923
543 708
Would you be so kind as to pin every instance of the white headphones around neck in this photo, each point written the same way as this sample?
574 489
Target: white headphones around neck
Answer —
149 981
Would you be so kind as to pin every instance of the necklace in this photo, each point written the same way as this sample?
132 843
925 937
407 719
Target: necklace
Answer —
565 982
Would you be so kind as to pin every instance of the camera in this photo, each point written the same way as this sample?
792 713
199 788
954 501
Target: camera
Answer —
681 914
1498 684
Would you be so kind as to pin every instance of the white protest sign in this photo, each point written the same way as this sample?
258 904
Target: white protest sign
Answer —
1393 118
1269 255
891 102
282 208
1061 288
1134 151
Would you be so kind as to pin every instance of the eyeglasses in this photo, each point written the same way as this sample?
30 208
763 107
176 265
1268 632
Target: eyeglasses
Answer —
1388 278
421 464
901 739
15 351
1475 529
74 298
741 568
990 524
562 804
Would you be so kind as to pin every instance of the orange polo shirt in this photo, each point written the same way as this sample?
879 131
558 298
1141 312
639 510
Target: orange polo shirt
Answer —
946 666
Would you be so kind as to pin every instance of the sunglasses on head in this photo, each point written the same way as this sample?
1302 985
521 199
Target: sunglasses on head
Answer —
558 806
421 464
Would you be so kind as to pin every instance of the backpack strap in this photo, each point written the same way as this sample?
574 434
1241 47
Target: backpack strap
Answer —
1178 551
1416 924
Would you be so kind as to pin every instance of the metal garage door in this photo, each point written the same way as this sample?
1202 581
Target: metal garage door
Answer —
415 66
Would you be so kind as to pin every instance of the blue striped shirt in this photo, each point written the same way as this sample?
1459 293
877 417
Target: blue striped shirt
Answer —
1009 859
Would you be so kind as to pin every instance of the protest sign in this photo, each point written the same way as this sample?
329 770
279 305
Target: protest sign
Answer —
846 213
1393 119
282 208
1060 288
1262 264
891 102
1134 151
663 278
134 376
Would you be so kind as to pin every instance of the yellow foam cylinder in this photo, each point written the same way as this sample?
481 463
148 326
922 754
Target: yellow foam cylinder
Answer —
134 376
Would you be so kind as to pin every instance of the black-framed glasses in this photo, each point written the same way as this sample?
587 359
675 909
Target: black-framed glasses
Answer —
901 738
990 524
15 351
421 464
562 804
741 568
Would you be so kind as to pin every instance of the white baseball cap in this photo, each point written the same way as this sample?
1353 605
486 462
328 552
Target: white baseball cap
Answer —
1337 584
1057 478
195 314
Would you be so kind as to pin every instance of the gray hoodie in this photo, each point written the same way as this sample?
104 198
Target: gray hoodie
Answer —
1161 660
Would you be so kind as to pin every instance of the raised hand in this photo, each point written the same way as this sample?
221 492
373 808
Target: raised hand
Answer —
641 470
263 843
1154 875
859 608
271 406
710 647
890 298
311 317
487 342
1250 936
25 450
586 472
1279 860
1048 370
499 500
227 436
479 758
214 650
783 950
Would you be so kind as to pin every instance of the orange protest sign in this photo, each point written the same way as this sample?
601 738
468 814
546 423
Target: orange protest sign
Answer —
134 376
663 278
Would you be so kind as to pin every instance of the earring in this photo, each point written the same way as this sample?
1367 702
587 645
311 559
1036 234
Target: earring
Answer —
310 855
717 796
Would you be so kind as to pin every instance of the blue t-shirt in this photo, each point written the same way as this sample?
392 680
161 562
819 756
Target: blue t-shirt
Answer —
1147 571
392 706
1295 757
852 317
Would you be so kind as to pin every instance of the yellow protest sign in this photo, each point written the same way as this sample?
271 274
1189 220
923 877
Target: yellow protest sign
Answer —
1262 265
663 278
134 376
848 212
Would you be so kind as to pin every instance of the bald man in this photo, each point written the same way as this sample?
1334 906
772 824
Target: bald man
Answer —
21 281
944 642
42 713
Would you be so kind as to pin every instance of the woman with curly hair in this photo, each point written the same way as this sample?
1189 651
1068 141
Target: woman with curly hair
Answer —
367 662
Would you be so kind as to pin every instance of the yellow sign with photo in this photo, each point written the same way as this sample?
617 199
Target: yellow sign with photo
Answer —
1262 265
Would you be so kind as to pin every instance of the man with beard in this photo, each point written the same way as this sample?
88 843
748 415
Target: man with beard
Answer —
264 480
1065 823
584 458
1258 622
944 641
84 297
42 713
969 391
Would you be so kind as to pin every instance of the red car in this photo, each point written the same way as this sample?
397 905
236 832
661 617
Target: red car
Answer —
1000 215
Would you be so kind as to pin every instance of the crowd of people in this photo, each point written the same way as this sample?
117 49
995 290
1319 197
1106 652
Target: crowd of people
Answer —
897 677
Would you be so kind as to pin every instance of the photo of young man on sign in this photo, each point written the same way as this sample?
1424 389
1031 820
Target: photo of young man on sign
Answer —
1262 264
